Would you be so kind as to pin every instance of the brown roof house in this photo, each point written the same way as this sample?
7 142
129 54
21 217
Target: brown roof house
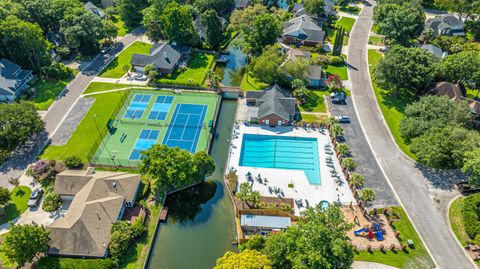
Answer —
98 199
273 106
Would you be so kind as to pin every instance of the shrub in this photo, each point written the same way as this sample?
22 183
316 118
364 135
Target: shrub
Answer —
349 164
471 215
59 263
51 202
336 60
123 235
57 71
14 181
73 161
63 52
4 196
232 179
38 169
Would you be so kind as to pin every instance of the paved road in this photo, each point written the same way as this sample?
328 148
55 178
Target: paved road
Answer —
419 190
26 154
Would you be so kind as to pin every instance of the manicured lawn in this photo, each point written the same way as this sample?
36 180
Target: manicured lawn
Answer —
102 86
312 117
72 263
350 9
417 257
83 139
473 93
117 68
375 40
253 84
195 73
340 70
46 92
346 23
314 102
456 220
18 203
122 28
392 106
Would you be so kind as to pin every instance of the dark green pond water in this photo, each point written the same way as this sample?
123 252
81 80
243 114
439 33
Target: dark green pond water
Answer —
232 71
200 225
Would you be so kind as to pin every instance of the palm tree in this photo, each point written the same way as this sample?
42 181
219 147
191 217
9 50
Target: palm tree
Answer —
336 130
367 195
349 164
254 198
343 149
357 180
244 192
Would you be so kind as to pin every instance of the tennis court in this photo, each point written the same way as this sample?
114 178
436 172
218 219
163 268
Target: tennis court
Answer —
185 126
159 117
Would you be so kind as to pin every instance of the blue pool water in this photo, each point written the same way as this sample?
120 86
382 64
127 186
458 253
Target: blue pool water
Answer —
283 152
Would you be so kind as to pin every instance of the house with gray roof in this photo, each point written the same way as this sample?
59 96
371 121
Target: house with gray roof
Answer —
447 25
303 31
256 223
98 200
273 106
328 9
241 4
94 9
436 51
164 57
13 80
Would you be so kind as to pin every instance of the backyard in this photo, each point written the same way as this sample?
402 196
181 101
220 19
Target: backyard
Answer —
18 204
314 102
340 70
46 92
252 84
194 75
416 257
122 28
392 106
121 64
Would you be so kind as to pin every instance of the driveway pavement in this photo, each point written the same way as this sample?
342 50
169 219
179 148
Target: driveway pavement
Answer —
422 192
26 154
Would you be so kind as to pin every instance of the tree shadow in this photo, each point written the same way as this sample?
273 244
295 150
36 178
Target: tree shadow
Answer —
312 100
444 179
397 101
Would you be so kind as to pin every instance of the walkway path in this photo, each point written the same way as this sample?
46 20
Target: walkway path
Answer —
417 188
122 80
57 112
370 265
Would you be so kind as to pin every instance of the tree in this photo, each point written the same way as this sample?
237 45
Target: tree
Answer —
296 69
256 242
73 161
246 194
19 121
400 23
405 70
314 7
131 10
300 91
23 43
367 195
464 8
122 237
51 201
336 130
318 241
343 149
4 196
334 82
151 19
8 7
357 180
24 242
349 164
471 166
444 147
177 24
464 66
433 112
266 66
174 168
214 29
343 3
248 258
219 6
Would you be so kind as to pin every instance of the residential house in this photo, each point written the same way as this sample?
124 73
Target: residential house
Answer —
202 30
273 106
94 9
328 9
436 51
97 200
314 74
263 223
13 80
164 57
241 4
107 3
447 25
303 31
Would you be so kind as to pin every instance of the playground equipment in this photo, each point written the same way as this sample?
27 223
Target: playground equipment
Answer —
369 231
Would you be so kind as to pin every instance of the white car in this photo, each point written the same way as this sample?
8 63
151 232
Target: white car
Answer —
140 77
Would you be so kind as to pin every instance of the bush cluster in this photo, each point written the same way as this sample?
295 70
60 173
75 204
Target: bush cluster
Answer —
471 215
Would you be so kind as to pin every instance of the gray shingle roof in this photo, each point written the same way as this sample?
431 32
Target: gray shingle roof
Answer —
433 50
241 3
305 28
273 100
162 55
94 9
441 23
11 75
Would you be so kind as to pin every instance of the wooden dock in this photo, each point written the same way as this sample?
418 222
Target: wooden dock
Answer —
163 214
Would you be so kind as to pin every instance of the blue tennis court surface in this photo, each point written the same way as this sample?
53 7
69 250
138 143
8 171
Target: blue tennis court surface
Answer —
146 140
185 126
160 108
137 106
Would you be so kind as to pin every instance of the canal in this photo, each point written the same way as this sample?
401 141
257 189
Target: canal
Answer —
201 224
232 71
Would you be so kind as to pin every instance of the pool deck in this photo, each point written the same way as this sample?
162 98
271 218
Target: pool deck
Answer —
328 190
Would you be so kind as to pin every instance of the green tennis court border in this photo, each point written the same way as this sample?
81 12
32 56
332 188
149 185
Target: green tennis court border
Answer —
114 151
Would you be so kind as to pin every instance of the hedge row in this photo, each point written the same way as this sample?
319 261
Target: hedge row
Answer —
71 263
471 215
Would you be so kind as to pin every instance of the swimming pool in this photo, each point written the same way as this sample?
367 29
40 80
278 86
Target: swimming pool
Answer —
282 152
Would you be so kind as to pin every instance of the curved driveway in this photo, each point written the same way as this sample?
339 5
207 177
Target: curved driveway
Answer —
413 186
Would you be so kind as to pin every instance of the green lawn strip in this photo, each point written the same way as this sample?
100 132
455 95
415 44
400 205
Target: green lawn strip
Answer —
122 28
473 93
312 117
401 259
314 101
105 86
196 71
346 23
73 263
81 141
116 68
375 40
340 70
252 84
456 220
350 9
391 105
46 92
18 204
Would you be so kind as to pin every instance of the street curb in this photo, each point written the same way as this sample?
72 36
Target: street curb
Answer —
453 233
373 152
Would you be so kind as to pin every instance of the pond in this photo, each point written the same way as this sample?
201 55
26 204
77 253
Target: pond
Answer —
201 220
232 71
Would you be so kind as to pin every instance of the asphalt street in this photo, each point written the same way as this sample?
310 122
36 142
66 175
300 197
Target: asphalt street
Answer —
416 187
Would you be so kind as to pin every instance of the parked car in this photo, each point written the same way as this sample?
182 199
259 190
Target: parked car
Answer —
338 98
35 197
343 119
105 50
140 77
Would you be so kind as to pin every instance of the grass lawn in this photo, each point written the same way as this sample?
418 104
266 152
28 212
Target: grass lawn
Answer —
456 220
46 92
350 9
18 203
117 67
375 40
314 102
72 263
82 140
375 29
392 106
346 23
473 93
103 86
122 28
417 257
253 84
312 117
340 70
195 73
